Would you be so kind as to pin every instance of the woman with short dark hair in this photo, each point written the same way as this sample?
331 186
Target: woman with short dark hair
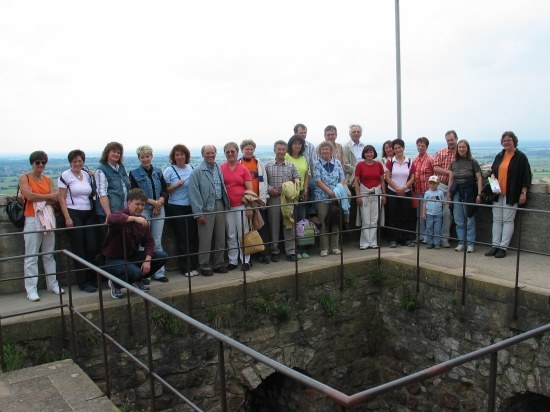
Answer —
76 190
513 171
39 194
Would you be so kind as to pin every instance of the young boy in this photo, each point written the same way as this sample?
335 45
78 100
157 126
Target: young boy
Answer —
432 212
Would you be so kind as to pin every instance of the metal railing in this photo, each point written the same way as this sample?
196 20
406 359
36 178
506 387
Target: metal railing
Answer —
223 341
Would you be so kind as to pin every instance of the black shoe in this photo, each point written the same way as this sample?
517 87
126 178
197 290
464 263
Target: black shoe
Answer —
274 258
292 258
231 267
89 288
264 259
500 253
221 269
492 252
138 284
245 266
207 272
163 279
146 281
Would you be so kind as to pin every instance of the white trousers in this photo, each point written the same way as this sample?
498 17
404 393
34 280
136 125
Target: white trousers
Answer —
503 223
234 222
35 243
157 227
369 217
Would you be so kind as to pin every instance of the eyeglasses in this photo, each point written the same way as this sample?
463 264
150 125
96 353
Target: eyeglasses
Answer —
40 162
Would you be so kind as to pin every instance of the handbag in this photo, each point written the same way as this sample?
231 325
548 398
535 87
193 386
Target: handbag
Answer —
252 242
487 196
16 210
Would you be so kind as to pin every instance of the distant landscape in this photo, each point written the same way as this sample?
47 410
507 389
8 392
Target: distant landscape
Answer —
12 167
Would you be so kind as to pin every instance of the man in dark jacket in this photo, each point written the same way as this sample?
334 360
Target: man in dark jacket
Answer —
128 230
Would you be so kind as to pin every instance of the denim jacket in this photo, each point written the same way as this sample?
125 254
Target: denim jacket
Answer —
143 181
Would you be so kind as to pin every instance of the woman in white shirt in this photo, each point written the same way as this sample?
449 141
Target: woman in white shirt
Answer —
76 191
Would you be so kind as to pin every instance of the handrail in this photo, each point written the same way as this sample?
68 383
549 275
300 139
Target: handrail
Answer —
337 396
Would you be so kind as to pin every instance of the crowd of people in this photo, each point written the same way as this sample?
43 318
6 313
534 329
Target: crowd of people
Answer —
330 186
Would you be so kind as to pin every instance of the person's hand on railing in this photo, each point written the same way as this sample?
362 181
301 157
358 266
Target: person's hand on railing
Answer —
201 219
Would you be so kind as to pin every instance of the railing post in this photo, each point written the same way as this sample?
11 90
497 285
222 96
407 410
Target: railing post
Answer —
465 251
104 340
2 359
296 280
516 285
221 370
146 308
492 382
245 288
128 302
74 347
188 274
340 244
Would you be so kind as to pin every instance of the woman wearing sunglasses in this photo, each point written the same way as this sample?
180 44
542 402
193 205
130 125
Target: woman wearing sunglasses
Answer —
39 194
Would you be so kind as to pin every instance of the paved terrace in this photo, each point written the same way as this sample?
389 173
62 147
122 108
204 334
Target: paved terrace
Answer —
65 387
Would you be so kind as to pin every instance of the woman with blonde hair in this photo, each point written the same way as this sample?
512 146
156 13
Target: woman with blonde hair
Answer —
150 179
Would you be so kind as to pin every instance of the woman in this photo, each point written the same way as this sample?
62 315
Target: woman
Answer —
387 152
369 183
329 176
401 215
76 190
465 184
237 179
295 155
513 172
259 185
112 181
185 226
39 194
151 180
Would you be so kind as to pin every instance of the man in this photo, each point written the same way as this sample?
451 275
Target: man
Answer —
442 163
347 159
207 194
278 172
424 169
355 146
128 230
311 155
353 149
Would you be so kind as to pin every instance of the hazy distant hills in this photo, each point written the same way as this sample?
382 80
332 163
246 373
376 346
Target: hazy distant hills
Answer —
13 166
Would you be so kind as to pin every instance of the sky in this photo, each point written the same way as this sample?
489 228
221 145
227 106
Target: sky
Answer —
79 74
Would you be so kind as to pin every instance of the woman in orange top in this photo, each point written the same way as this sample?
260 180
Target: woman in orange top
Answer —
39 193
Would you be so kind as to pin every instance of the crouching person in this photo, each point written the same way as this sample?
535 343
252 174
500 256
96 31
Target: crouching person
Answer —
128 230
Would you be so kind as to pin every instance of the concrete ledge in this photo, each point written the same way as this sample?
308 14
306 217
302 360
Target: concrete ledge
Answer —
57 386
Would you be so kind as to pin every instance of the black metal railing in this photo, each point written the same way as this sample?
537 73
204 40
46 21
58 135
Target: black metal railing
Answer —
223 341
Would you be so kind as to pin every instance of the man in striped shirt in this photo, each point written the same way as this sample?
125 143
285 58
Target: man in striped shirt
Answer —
442 163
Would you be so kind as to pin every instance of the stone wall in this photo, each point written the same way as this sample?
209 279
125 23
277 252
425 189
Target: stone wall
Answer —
534 236
374 331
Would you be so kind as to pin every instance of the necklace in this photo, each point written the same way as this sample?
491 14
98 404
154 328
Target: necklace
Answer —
78 176
38 179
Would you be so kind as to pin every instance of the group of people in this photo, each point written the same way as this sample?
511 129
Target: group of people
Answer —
219 203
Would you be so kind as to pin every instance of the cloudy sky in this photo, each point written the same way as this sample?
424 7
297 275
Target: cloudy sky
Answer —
81 74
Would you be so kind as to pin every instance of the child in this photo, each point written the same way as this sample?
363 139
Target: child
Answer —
432 212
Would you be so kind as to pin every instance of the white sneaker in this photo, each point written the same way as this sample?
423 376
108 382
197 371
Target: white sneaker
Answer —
470 249
324 253
193 273
33 297
57 290
459 248
336 251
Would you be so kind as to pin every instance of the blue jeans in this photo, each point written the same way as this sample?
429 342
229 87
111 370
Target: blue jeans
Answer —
132 266
461 220
433 229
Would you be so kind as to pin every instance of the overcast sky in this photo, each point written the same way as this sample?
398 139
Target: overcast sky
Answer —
77 74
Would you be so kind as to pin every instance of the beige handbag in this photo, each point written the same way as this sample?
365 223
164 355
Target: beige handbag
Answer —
252 241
